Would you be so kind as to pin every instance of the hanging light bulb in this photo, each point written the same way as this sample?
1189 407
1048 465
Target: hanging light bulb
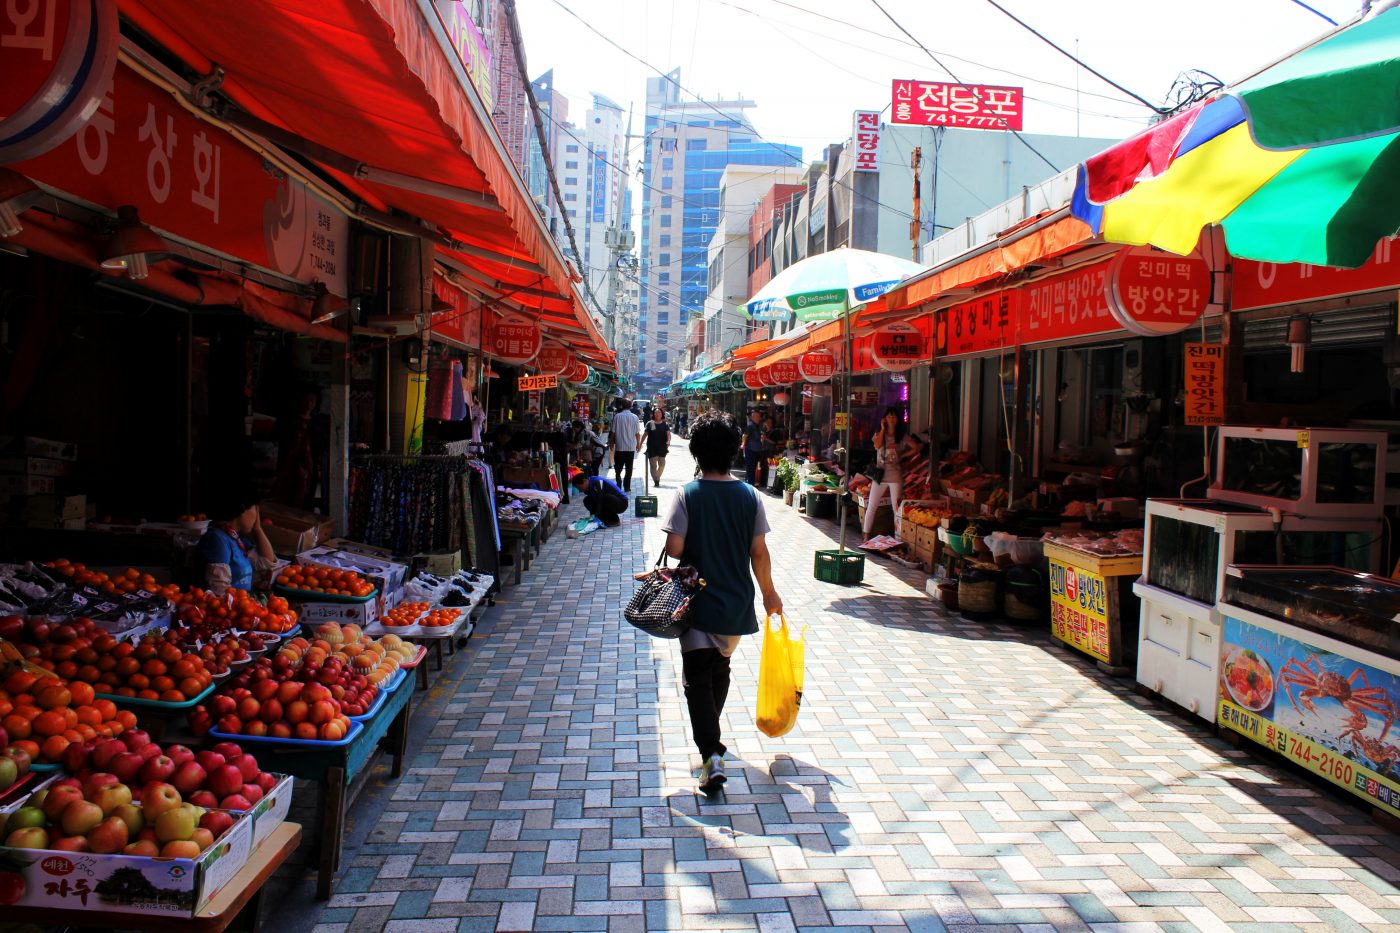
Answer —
1299 336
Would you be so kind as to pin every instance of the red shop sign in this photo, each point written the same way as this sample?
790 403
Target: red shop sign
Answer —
784 372
817 366
553 360
753 379
976 106
56 61
1154 293
898 347
983 324
1266 284
578 373
463 322
514 340
1074 304
196 182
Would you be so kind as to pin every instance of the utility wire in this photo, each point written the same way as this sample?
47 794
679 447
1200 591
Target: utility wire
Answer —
1316 11
900 26
1093 71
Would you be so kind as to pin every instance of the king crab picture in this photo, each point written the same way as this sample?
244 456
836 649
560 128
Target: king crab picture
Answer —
1383 754
1315 682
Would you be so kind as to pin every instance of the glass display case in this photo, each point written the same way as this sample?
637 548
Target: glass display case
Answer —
1319 472
1308 668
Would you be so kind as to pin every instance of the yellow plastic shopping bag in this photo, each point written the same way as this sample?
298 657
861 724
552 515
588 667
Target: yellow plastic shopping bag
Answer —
780 677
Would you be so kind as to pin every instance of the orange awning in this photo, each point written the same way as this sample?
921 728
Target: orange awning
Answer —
1017 252
366 79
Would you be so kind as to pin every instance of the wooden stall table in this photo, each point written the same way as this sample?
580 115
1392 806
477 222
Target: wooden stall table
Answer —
340 772
514 540
239 901
1092 604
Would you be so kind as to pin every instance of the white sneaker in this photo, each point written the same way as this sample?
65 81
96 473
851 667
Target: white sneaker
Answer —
712 775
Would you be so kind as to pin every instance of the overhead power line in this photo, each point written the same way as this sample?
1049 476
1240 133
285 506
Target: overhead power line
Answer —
1093 71
1316 11
900 26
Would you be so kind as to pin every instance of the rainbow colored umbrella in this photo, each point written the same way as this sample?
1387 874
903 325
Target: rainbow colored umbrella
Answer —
1300 163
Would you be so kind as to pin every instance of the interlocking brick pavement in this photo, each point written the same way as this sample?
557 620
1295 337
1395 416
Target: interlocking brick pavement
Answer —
943 774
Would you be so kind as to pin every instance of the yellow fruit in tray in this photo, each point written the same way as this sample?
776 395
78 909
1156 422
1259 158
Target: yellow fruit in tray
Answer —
391 641
352 632
329 633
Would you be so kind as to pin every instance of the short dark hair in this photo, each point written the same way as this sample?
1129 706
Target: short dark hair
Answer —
231 503
578 480
714 440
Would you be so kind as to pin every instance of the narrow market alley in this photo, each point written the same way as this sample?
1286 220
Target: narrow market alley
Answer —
942 774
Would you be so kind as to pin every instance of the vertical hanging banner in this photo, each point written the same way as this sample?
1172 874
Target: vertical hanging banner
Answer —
1205 384
865 139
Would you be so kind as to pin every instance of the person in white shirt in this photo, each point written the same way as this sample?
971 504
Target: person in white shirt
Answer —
623 440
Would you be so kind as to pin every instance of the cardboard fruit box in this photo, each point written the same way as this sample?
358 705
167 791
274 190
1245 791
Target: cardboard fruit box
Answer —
271 811
128 884
291 531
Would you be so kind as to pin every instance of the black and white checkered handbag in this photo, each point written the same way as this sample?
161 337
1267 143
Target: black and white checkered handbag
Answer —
661 603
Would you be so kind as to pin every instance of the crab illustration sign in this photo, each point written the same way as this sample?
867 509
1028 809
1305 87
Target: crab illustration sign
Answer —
1325 710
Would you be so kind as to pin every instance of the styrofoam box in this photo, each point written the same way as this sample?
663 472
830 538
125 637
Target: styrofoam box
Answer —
344 613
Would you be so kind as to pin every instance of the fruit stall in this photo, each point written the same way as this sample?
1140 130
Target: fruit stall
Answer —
139 721
1309 668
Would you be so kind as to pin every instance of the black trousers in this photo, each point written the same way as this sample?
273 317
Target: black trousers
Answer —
607 507
622 460
706 673
753 459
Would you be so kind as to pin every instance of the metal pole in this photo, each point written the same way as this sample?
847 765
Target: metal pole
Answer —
846 465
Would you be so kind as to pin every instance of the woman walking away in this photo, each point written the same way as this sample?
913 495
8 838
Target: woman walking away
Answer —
717 524
890 440
658 444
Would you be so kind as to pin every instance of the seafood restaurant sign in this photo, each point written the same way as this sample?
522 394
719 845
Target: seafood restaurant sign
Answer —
1329 713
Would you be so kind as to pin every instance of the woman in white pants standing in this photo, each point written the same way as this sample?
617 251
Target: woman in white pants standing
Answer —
890 439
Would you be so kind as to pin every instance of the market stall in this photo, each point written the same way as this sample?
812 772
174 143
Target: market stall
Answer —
1092 604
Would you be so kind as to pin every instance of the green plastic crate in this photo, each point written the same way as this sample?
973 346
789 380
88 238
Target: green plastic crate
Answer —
645 506
840 567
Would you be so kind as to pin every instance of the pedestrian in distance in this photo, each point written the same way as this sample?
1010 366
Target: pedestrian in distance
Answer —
624 437
754 444
717 524
658 434
601 497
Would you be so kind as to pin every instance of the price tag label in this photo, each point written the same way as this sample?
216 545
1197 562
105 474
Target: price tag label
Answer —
842 420
1304 439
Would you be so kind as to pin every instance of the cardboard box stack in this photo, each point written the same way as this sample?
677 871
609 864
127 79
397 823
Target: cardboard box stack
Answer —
35 483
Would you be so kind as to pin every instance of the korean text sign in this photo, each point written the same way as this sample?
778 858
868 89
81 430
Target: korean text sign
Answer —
1205 384
865 138
1079 609
973 106
983 324
1263 674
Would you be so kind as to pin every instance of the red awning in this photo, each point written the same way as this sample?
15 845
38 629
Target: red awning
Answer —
367 79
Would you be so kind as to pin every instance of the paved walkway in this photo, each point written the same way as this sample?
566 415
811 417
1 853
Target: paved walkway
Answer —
943 774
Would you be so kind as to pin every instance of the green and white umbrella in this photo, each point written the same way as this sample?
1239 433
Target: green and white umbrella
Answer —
827 287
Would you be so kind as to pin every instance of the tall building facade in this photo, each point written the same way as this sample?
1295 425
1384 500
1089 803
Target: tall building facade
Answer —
554 108
510 107
688 145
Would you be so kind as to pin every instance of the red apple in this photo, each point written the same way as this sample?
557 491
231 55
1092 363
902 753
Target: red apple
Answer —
70 844
210 760
247 766
103 753
21 758
111 835
147 834
130 814
136 739
266 781
204 798
202 838
216 821
157 798
253 792
76 756
221 705
149 751
61 795
230 724
229 749
188 778
145 848
96 781
179 848
225 780
110 797
179 754
127 766
159 768
236 802
79 817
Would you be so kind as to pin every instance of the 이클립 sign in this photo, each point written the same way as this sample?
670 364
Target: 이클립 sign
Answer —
535 383
514 340
817 365
553 360
865 140
973 106
753 379
897 347
1154 293
1263 670
57 58
977 326
784 372
1205 384
1079 609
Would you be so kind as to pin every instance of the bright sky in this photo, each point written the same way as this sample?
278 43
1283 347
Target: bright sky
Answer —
807 73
